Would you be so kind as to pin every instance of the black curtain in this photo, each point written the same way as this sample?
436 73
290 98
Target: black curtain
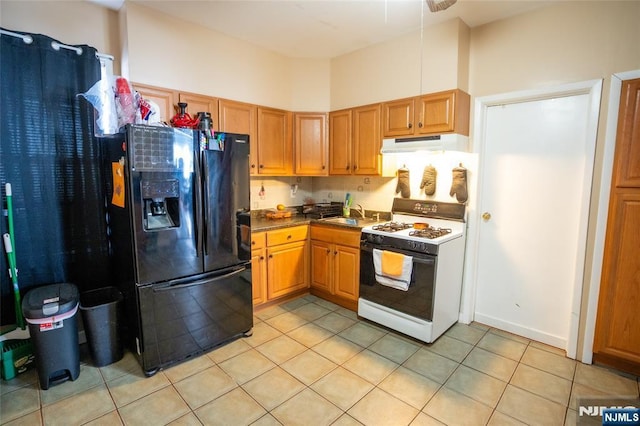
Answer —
49 155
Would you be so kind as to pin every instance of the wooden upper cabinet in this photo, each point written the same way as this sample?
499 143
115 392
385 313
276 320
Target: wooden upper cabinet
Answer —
310 144
398 117
164 98
367 140
240 117
443 112
628 134
275 142
340 126
433 114
199 103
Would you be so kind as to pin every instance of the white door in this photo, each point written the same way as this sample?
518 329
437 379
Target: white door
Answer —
535 183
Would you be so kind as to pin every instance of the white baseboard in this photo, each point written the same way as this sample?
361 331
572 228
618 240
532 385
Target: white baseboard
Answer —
521 330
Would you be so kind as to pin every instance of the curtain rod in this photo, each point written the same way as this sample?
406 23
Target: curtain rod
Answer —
55 45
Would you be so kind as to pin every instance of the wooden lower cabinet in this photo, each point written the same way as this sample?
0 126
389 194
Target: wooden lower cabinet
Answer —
280 263
287 269
335 265
259 267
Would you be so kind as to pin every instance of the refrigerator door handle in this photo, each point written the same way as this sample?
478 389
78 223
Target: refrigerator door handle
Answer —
185 284
198 204
205 184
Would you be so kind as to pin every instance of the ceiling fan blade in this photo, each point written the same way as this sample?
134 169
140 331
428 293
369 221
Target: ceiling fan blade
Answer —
438 5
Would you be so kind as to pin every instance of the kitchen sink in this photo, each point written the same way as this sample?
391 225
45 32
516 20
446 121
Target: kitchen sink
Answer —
353 221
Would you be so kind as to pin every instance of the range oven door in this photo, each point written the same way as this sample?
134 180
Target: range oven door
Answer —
417 301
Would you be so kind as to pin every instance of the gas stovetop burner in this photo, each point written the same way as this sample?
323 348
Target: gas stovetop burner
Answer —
430 232
391 226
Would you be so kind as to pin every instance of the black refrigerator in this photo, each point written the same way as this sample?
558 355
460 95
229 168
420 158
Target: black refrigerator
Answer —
179 228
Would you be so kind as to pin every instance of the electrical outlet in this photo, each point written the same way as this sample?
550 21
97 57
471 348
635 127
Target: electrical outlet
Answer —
360 188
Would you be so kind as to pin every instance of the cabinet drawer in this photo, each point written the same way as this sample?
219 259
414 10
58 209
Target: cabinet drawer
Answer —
287 235
344 237
258 240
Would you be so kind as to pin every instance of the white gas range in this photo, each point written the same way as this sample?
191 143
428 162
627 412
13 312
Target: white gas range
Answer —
419 294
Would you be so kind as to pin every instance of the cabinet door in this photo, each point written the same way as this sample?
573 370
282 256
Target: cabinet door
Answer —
617 339
239 117
164 98
340 141
287 269
275 156
259 276
397 118
199 103
444 112
321 265
310 144
628 136
346 272
367 140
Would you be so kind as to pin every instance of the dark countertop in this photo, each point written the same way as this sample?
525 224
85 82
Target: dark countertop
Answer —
260 224
263 224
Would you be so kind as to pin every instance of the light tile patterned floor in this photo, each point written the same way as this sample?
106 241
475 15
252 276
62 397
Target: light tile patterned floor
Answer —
310 362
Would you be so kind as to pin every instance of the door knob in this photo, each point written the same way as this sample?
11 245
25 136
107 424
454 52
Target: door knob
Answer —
486 216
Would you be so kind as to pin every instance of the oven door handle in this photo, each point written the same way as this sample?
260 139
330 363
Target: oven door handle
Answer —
417 257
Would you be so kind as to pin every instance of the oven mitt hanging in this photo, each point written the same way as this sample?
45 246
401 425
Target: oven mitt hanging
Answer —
459 184
403 183
429 180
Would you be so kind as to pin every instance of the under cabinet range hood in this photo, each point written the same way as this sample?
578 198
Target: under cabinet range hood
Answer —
446 142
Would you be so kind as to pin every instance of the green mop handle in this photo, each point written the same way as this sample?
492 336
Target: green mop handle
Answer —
13 273
13 270
9 193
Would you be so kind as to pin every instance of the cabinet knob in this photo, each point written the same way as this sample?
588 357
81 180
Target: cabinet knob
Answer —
355 167
347 167
420 124
288 237
261 166
253 243
410 125
335 253
261 257
323 167
253 166
270 256
328 251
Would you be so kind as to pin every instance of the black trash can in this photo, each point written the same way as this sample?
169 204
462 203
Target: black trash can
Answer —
102 317
50 312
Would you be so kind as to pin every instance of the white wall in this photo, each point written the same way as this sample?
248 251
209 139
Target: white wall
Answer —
564 43
70 22
167 52
391 70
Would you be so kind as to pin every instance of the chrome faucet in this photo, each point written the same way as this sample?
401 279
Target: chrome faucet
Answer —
360 210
